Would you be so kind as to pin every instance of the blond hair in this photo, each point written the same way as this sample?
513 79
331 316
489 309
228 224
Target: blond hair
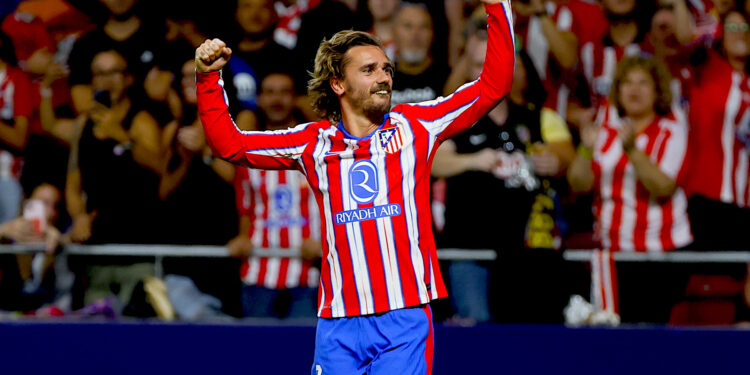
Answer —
329 63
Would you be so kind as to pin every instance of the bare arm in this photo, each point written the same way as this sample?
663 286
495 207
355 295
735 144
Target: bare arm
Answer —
449 163
580 173
650 175
562 44
15 135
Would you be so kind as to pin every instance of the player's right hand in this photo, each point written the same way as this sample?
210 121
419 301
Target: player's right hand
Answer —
212 55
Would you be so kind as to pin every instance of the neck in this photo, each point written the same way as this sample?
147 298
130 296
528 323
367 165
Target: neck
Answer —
642 121
120 30
413 68
737 63
623 33
356 123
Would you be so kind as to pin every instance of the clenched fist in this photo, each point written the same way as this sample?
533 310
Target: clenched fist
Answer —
212 55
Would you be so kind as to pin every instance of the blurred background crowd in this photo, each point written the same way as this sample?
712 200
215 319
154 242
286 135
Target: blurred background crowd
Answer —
626 129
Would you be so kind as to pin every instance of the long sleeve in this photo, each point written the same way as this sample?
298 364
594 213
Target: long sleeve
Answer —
278 149
449 116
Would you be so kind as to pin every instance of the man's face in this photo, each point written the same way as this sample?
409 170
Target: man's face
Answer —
662 33
367 81
412 33
276 97
108 74
255 16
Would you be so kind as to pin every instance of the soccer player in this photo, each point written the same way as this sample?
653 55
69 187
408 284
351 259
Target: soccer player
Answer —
369 168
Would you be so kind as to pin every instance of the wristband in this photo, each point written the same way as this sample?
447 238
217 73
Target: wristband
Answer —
45 92
585 152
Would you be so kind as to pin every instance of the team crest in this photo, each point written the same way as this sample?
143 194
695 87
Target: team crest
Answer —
390 137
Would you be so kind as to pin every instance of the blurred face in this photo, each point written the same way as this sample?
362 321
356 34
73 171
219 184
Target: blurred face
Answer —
736 36
108 74
637 93
619 6
50 196
188 82
382 10
723 6
276 97
476 49
412 33
367 81
662 33
255 16
118 7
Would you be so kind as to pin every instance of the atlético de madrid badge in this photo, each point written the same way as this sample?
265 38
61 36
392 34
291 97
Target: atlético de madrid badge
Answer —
390 137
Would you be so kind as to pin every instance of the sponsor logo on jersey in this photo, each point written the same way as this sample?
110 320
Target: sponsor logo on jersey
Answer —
369 213
390 138
363 181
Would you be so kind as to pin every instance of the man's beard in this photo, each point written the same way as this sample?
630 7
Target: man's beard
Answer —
373 111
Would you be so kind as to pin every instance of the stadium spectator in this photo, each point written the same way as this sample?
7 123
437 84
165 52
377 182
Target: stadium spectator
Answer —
383 22
25 282
257 54
111 192
552 32
509 162
290 17
138 39
631 160
45 155
189 173
717 179
15 114
421 76
278 210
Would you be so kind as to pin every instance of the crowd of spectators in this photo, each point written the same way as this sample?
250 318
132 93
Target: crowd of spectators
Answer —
627 129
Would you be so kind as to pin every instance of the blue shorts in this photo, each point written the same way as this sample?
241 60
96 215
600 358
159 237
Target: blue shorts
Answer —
395 342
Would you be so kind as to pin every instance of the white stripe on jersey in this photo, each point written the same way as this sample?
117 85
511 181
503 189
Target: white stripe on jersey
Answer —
408 185
728 136
293 271
252 277
740 177
257 237
354 234
653 229
273 265
322 300
437 126
432 281
293 182
295 151
337 298
681 235
274 231
385 236
627 214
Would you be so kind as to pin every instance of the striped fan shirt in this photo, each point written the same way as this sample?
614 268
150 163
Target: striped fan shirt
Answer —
283 213
372 192
628 218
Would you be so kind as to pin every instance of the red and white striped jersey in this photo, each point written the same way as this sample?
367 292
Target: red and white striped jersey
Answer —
627 217
283 213
15 102
373 192
720 133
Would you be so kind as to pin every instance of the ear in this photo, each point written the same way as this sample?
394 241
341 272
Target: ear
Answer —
337 85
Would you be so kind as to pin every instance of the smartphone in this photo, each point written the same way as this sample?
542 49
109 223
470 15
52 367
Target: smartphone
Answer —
103 98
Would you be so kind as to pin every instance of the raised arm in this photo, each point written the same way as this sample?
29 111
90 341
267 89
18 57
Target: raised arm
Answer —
446 117
280 149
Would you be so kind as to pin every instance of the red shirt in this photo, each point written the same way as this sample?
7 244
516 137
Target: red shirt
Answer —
372 192
719 116
283 213
15 101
